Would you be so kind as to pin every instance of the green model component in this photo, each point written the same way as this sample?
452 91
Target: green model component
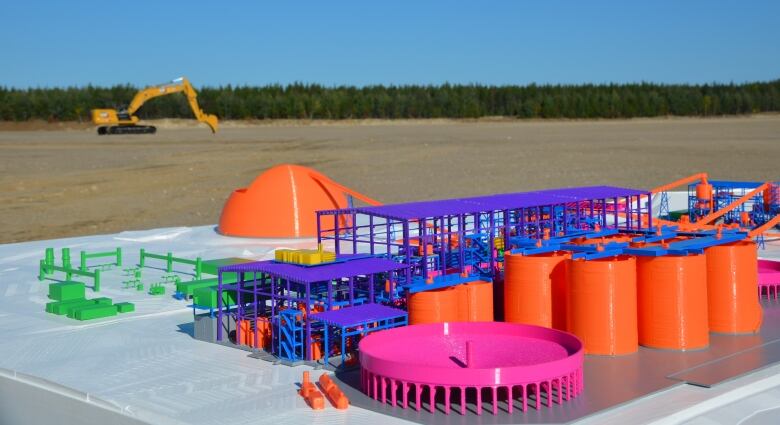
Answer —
212 266
171 278
95 312
61 307
675 215
115 254
71 311
47 267
49 256
133 283
65 307
139 287
124 307
84 309
66 258
188 288
170 260
207 298
157 289
64 291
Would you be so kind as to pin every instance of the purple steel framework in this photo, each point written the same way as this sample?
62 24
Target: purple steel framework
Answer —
264 287
429 236
360 321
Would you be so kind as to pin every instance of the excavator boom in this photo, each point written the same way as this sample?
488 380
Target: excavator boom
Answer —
125 122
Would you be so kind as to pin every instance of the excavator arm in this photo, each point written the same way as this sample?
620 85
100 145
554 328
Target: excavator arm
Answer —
192 97
178 85
149 93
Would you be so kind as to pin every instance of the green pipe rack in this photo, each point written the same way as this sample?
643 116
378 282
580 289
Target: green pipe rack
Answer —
47 267
115 254
170 260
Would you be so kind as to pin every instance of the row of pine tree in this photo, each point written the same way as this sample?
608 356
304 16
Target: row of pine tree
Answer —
313 101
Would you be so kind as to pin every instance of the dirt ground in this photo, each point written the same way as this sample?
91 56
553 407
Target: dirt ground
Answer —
58 181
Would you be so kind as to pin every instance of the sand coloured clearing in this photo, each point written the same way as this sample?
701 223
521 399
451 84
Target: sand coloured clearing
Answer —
67 182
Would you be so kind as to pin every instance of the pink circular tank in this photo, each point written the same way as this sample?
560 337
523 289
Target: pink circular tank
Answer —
463 362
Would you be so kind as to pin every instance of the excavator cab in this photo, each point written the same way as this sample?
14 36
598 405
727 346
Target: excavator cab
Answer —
104 116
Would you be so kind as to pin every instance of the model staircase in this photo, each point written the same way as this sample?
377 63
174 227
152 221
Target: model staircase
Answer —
477 253
288 335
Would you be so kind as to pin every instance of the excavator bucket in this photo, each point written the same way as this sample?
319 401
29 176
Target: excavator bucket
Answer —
212 121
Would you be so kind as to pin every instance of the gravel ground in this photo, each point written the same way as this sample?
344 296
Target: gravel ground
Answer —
57 182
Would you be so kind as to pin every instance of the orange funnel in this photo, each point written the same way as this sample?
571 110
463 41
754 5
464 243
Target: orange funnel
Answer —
282 203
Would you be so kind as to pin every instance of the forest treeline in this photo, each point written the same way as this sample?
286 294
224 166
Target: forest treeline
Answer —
312 101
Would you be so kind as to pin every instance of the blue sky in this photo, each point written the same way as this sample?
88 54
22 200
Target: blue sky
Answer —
59 43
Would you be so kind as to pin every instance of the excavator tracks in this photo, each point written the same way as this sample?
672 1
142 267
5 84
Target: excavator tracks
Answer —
126 129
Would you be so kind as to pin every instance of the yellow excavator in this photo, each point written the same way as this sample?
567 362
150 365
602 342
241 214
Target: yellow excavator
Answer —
111 121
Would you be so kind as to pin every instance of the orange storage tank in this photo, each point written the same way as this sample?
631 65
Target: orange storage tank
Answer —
475 301
434 306
248 334
671 291
732 279
316 350
535 289
704 191
602 304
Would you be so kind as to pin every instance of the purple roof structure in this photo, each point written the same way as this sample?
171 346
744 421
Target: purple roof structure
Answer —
349 316
304 274
423 209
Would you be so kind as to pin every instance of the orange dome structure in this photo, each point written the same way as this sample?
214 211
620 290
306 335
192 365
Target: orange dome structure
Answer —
282 203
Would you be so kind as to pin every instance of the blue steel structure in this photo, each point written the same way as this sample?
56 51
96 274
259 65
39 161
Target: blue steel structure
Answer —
447 242
725 192
770 207
664 206
356 321
288 294
647 242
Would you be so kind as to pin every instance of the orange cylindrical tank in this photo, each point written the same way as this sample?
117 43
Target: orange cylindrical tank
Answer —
264 333
732 279
243 328
248 334
671 310
434 306
316 350
475 301
704 191
602 304
535 289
